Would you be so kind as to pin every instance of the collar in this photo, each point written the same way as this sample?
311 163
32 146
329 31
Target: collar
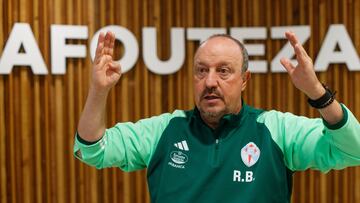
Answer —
227 119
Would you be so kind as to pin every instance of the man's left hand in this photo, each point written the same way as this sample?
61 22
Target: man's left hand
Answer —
303 75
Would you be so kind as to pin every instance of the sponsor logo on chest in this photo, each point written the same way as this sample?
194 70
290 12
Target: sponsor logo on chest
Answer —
178 157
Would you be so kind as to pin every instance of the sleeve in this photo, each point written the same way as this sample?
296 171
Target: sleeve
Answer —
313 143
128 146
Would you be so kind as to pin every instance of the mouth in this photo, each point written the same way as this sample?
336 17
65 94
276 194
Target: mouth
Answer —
211 97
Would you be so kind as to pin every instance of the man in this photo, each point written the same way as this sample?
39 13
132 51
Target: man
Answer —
223 150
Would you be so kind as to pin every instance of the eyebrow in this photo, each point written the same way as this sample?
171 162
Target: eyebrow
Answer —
218 64
224 64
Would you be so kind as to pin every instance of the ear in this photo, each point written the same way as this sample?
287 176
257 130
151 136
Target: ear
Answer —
245 77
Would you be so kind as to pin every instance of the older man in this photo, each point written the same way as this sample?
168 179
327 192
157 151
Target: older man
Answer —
223 150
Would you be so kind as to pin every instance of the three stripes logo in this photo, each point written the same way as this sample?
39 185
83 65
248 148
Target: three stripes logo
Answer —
179 158
182 145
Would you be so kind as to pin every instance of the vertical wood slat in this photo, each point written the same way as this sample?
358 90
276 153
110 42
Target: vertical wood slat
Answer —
25 121
37 117
3 174
3 153
356 97
70 110
39 113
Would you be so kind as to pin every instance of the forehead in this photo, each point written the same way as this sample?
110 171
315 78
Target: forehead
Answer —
218 50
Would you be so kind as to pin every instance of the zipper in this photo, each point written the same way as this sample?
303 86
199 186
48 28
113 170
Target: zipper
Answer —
216 152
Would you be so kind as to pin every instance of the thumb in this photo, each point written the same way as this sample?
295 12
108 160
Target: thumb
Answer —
115 66
287 65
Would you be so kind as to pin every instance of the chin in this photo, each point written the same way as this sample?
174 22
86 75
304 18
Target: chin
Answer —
212 111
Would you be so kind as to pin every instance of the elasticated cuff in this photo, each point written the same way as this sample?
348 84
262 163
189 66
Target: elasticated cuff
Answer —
339 124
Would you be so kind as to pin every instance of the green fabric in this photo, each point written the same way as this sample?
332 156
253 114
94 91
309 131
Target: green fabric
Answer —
128 146
211 168
82 141
308 143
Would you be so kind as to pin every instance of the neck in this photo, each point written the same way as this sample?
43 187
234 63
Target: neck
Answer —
213 119
212 122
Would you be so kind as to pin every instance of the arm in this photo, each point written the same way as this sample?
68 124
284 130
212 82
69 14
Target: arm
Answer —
331 143
304 78
105 74
312 143
129 146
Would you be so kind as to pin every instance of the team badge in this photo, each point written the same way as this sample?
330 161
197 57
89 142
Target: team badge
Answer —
250 154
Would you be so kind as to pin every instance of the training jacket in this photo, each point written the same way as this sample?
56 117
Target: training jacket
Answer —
250 157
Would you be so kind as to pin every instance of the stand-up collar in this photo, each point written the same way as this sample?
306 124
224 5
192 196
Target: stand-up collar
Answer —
231 119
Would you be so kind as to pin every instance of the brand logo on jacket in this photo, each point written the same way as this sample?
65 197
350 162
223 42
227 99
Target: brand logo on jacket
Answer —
182 145
179 158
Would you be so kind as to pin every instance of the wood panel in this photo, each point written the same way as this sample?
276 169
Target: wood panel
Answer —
39 114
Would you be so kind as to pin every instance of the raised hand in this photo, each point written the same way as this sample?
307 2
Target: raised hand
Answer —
106 72
303 75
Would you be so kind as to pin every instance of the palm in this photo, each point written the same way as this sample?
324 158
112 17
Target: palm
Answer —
106 72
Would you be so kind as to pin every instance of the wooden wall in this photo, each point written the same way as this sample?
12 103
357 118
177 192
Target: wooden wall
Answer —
39 114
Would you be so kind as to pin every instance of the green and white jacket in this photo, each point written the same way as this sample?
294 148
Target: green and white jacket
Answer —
250 157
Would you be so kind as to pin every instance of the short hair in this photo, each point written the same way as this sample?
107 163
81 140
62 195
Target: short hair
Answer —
244 52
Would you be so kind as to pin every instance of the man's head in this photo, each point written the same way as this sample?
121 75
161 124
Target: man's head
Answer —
220 75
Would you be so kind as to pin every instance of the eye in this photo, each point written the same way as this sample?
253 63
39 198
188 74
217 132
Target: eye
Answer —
201 71
224 71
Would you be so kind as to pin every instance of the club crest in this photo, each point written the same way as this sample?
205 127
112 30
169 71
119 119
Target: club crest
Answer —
250 154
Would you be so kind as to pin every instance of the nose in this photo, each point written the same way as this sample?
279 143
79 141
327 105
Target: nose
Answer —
211 80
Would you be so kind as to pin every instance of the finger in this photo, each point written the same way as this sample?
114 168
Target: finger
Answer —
115 66
112 43
292 38
116 70
299 51
112 40
115 76
107 43
102 62
100 45
301 55
287 65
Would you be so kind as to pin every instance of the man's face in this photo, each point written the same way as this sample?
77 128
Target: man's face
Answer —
218 80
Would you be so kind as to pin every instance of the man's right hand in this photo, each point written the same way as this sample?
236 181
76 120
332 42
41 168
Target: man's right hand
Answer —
106 72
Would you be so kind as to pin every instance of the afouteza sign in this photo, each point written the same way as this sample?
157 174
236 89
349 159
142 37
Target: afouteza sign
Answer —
337 47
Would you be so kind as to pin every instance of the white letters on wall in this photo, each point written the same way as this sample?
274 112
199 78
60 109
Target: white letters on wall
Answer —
302 33
60 50
22 35
252 33
177 57
337 35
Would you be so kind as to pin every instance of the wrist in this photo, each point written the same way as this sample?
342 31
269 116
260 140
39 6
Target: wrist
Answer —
324 100
317 92
98 91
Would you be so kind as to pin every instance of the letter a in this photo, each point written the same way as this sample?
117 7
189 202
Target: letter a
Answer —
21 35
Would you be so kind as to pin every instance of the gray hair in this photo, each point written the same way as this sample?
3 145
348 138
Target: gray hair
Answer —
244 52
